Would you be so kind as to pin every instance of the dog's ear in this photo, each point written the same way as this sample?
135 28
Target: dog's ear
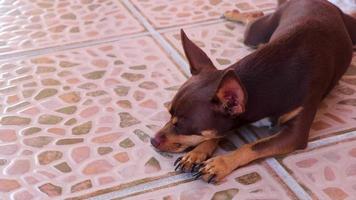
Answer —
230 94
198 60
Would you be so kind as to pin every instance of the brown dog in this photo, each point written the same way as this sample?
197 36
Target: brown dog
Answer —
309 48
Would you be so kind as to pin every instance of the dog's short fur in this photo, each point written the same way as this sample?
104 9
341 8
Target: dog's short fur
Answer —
308 48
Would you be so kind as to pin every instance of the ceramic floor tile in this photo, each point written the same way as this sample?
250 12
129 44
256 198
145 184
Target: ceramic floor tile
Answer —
226 145
80 120
163 13
252 182
329 173
223 43
28 24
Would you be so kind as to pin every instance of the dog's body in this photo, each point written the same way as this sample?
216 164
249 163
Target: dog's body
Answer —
303 60
309 47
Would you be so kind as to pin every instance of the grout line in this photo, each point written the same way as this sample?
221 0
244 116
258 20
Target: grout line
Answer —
156 184
321 142
70 46
279 170
288 179
145 187
159 38
332 139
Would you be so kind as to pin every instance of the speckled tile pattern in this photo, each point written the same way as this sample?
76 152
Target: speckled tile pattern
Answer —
39 23
329 173
163 13
81 119
252 182
75 121
223 42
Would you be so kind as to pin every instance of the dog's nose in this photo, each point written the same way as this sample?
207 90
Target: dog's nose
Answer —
154 142
158 140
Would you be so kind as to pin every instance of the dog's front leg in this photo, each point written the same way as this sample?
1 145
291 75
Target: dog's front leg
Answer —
197 156
293 136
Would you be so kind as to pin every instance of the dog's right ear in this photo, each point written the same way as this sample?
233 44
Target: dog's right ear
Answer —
231 94
198 60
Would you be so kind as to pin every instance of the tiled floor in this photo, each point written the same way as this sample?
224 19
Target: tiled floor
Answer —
28 24
329 172
75 121
252 182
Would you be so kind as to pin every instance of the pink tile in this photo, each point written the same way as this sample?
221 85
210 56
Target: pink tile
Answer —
252 182
80 132
163 13
222 42
7 135
329 172
7 185
35 24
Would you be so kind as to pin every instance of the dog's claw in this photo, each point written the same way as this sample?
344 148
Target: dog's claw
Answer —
182 167
193 168
211 178
178 166
197 175
177 161
199 166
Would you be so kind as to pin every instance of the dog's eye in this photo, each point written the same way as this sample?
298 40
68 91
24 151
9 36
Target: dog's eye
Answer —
177 145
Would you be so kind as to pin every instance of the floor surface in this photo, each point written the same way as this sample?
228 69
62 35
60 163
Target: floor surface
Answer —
85 83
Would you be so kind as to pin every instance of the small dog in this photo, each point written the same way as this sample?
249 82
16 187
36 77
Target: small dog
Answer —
308 46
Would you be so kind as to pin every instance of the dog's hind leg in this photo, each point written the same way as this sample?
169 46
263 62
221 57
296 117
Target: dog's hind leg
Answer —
350 24
261 30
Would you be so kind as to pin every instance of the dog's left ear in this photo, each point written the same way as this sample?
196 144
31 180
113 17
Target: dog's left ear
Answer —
198 60
231 95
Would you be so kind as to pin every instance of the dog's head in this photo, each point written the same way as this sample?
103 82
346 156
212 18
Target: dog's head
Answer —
205 107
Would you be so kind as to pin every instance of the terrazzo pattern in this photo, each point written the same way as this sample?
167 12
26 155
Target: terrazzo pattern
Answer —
163 13
222 42
82 119
329 173
253 182
39 23
75 121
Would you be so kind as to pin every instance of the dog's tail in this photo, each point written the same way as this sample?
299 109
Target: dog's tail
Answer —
350 23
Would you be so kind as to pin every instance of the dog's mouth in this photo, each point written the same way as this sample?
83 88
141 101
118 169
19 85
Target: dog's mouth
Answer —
169 149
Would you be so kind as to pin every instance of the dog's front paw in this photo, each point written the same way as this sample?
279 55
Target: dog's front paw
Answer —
191 161
215 169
